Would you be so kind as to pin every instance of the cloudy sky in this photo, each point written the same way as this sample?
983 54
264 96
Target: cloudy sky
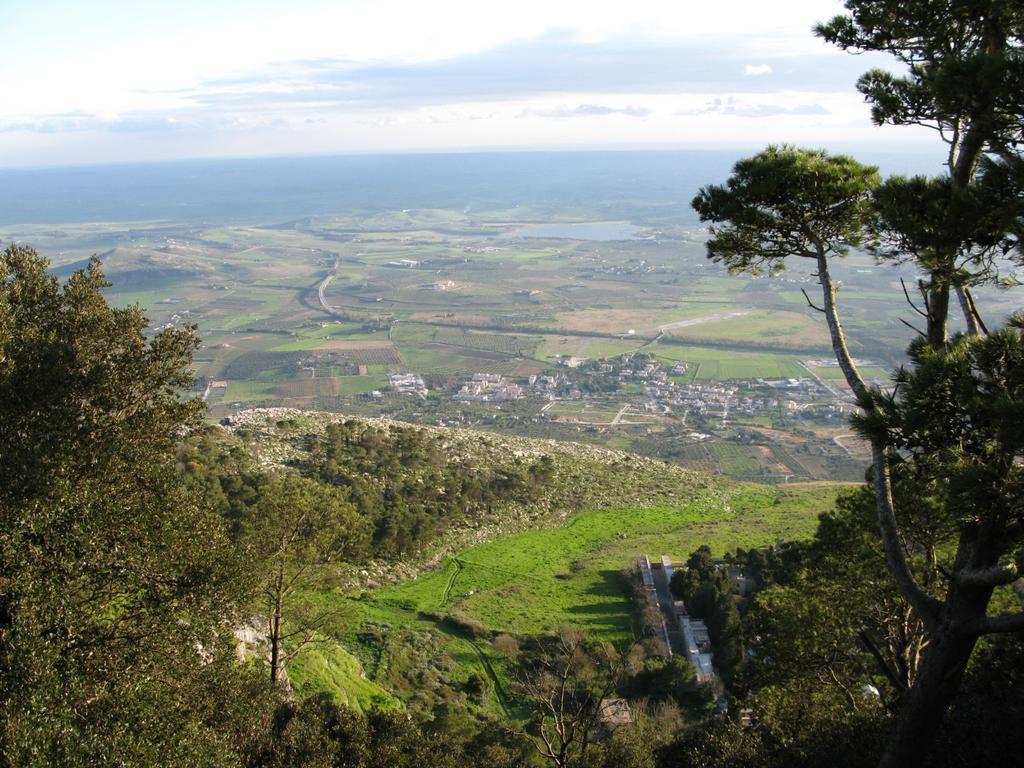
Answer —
124 80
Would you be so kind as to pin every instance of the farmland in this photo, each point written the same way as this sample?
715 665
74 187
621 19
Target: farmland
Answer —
315 312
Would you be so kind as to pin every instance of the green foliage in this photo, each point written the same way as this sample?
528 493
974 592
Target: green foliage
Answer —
829 743
224 474
945 467
964 68
982 727
116 586
662 679
329 666
294 533
923 219
787 202
958 422
637 745
400 479
710 594
564 680
317 732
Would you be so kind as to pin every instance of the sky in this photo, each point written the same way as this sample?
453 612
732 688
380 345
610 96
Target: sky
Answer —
122 81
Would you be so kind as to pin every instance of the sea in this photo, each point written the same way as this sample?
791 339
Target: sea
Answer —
608 185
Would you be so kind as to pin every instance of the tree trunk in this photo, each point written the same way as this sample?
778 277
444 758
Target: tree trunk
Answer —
938 316
275 628
835 327
275 647
924 706
970 320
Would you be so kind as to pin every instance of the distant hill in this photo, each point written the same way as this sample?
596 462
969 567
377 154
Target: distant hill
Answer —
133 269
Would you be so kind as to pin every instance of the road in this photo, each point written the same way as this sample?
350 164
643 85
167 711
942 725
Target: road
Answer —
835 393
324 284
700 320
838 440
668 612
620 414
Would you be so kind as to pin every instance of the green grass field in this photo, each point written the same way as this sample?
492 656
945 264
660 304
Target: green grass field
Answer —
713 364
868 372
537 580
586 412
248 391
327 667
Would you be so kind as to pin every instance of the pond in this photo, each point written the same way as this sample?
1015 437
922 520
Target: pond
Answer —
586 230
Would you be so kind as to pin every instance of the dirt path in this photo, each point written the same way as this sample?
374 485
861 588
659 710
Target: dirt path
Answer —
451 581
499 689
619 415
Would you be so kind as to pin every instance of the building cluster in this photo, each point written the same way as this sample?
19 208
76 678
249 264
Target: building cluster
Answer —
570 361
175 319
678 632
705 399
489 387
644 369
630 268
554 387
407 384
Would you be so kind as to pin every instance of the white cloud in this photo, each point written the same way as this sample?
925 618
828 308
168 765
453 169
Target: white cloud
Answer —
256 77
745 107
586 110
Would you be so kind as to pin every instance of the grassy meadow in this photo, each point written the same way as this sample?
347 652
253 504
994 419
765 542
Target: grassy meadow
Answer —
534 581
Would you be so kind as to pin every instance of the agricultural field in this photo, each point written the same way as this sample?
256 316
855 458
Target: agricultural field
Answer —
316 311
586 412
713 364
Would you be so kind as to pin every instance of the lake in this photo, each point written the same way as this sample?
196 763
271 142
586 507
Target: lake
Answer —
586 230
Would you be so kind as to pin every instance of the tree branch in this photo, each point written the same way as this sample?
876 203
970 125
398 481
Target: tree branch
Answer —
1005 622
884 665
911 327
910 301
994 576
926 606
810 303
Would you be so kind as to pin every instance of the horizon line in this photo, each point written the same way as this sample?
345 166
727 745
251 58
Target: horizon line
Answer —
840 146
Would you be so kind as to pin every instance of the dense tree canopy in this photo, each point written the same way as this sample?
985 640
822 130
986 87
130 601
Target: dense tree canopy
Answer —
944 469
295 533
114 582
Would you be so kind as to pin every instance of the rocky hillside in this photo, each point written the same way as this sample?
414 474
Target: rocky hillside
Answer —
578 476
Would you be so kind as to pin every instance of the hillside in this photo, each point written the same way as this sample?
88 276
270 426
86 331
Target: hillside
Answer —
422 625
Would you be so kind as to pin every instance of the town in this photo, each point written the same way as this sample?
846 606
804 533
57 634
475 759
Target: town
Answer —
643 387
